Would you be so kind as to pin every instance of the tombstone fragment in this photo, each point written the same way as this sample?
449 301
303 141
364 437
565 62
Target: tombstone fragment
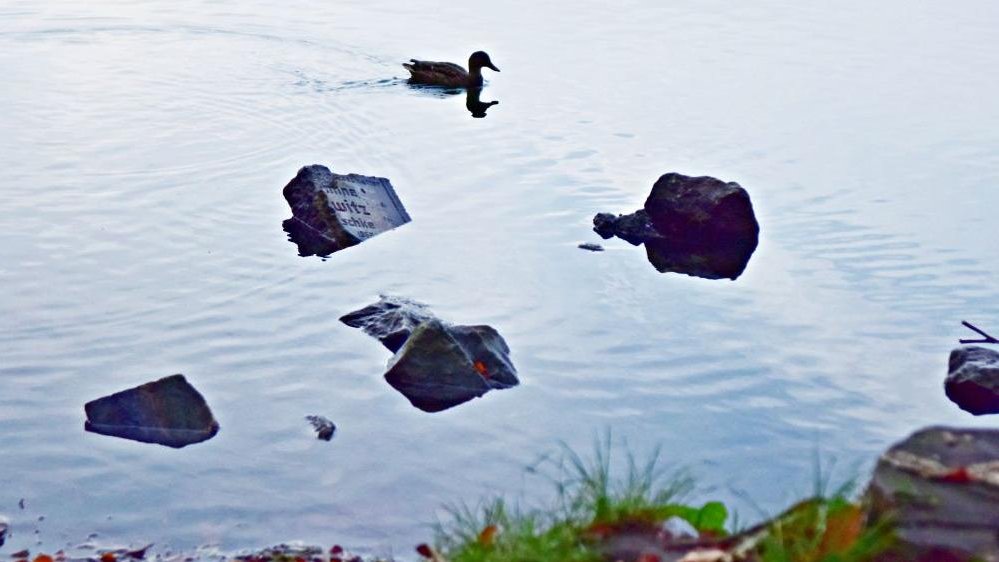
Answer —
168 412
331 212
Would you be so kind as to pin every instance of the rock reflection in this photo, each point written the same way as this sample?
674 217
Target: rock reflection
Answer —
697 226
436 365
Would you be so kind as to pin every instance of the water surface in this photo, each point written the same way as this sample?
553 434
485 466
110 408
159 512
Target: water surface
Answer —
144 147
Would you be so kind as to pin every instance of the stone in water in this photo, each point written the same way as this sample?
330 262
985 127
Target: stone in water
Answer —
168 412
333 211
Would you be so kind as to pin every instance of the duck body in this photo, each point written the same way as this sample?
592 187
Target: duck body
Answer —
449 74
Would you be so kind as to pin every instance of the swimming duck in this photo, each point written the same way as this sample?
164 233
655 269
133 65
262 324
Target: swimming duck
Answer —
449 74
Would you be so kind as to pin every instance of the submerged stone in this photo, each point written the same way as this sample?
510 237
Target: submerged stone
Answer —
940 490
973 380
635 228
390 320
436 365
323 426
336 211
168 412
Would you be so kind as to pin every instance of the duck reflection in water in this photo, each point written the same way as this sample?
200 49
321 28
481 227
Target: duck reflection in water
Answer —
476 106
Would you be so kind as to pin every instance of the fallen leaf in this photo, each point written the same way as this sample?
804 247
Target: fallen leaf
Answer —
487 535
843 528
43 558
108 557
482 369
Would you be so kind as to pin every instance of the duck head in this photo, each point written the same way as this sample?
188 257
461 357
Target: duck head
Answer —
478 60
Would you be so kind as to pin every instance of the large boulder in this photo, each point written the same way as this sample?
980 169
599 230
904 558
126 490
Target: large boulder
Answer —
390 320
701 210
973 380
436 365
702 227
169 412
939 488
343 210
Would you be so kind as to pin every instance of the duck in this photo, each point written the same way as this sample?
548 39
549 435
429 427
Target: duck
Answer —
449 74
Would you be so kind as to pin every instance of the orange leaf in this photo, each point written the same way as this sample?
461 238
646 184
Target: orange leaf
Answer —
43 558
843 528
108 557
482 369
487 535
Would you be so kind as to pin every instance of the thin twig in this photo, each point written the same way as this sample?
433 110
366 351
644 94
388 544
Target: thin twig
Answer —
986 338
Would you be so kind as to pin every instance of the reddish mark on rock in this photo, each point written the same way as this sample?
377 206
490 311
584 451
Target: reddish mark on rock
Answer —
108 557
425 551
481 368
648 557
957 476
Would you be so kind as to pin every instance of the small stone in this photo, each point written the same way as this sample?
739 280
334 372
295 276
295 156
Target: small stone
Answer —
324 427
591 247
973 380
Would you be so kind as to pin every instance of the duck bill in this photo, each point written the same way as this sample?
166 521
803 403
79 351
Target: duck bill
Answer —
492 66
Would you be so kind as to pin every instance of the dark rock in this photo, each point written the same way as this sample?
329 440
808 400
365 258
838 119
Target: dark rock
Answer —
4 530
973 380
702 227
390 320
324 427
436 365
701 210
940 490
168 412
342 210
635 228
433 371
591 247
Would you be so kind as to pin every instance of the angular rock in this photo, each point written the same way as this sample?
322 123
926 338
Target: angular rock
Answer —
635 228
973 380
169 412
4 530
940 488
343 210
701 210
436 365
433 371
323 426
390 320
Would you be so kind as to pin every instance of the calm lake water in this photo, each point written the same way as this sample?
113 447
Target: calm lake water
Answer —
144 146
